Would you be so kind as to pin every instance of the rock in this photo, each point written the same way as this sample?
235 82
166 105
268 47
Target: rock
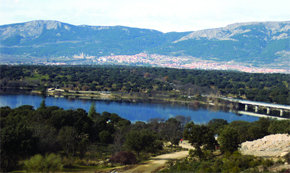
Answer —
283 154
277 145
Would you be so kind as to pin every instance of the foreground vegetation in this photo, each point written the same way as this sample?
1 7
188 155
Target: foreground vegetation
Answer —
213 162
50 138
207 158
78 138
148 82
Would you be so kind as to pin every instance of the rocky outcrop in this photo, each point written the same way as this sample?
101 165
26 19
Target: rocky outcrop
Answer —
277 145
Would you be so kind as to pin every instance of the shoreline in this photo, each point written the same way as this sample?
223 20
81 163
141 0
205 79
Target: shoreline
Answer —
124 97
112 96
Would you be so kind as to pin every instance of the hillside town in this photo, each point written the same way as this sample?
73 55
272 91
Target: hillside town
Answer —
181 62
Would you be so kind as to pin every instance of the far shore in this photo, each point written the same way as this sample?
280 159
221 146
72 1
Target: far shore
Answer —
194 101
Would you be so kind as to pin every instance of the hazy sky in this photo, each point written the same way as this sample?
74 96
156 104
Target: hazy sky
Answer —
163 15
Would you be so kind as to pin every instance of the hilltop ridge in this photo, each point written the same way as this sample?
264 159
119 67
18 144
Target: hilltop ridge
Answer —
254 44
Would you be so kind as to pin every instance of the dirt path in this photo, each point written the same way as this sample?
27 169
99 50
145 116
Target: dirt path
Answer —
155 163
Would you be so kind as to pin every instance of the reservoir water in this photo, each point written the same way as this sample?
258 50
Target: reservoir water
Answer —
131 111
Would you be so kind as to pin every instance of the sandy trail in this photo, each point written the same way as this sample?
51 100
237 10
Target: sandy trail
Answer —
155 163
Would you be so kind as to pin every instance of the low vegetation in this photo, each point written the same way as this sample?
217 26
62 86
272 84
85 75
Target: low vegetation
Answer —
48 163
228 162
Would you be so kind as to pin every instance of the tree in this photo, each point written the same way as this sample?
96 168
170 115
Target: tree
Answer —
229 139
264 124
4 112
143 140
182 119
105 137
67 138
92 112
217 124
119 139
199 135
259 129
46 136
82 143
42 104
17 138
172 131
279 126
241 127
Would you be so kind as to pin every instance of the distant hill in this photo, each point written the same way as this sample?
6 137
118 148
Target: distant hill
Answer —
251 42
53 38
258 43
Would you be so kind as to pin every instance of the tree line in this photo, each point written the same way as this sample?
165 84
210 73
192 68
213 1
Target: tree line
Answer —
53 136
273 88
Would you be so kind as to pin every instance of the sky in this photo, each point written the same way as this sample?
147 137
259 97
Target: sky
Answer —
162 15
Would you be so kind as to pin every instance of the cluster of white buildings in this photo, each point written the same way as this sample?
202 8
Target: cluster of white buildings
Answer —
175 62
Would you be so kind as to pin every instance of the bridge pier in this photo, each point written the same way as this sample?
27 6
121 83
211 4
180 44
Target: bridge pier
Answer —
281 112
256 109
268 110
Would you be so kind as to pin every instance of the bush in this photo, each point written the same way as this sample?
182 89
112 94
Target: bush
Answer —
124 158
38 163
34 163
68 162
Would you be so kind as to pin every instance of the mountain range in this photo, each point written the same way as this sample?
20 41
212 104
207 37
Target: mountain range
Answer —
257 44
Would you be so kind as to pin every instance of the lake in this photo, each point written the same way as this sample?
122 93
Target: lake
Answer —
131 111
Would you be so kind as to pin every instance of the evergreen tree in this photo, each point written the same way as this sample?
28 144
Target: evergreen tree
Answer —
92 112
42 104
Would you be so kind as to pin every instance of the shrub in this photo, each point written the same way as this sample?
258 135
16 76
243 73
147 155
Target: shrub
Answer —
34 163
124 158
68 162
227 162
38 163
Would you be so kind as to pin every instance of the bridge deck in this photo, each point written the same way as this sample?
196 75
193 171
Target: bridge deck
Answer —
278 106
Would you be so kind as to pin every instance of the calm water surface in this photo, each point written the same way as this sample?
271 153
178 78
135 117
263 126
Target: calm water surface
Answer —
130 111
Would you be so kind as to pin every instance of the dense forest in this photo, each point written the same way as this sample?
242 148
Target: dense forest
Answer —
49 138
273 88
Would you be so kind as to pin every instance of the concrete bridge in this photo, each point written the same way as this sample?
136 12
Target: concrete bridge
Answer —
261 105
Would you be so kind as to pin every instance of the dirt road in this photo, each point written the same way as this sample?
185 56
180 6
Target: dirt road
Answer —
155 163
